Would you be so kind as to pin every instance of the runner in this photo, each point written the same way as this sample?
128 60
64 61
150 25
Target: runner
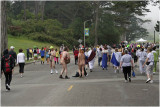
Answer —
7 64
21 61
81 62
52 54
65 59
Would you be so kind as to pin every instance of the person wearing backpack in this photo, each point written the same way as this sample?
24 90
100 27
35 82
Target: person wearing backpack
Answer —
7 65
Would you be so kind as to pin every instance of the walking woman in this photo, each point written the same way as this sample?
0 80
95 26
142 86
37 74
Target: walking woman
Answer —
150 64
21 61
81 62
142 57
7 65
104 58
126 63
65 59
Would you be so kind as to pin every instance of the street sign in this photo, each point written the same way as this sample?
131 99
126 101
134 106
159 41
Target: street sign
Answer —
86 31
80 41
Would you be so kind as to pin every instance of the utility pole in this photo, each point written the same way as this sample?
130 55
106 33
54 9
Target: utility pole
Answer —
154 36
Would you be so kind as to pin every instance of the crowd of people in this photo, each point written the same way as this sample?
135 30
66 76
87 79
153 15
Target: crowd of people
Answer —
123 57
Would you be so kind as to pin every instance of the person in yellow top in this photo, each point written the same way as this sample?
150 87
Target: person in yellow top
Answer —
57 56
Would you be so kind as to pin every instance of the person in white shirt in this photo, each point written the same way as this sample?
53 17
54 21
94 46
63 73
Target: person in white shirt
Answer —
126 63
99 54
150 64
21 61
142 55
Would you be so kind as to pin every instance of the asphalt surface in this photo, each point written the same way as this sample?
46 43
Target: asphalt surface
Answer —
100 88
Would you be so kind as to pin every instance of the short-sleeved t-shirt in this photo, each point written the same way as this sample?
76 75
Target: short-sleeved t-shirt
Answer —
150 57
126 60
42 52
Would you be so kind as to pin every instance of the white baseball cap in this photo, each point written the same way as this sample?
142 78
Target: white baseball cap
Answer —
12 47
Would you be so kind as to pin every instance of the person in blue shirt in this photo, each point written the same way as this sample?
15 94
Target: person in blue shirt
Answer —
42 55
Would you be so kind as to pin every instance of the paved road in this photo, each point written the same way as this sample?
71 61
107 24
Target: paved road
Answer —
101 88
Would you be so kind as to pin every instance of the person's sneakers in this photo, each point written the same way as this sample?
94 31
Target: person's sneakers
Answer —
151 81
66 77
148 80
87 75
90 70
154 73
51 71
56 71
129 79
61 77
102 68
125 81
7 87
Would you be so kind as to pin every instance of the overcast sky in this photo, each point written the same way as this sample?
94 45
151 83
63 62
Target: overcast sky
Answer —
153 16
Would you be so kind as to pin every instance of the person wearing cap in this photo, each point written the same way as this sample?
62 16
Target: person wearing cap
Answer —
52 54
13 54
126 63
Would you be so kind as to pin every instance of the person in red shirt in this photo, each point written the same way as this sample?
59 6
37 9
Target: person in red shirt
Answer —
76 52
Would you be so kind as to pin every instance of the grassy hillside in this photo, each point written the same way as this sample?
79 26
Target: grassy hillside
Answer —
24 43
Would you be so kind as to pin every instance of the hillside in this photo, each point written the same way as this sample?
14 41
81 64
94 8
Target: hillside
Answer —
24 43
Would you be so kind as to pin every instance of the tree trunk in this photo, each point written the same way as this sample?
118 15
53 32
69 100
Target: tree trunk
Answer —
36 10
24 4
4 38
96 23
42 10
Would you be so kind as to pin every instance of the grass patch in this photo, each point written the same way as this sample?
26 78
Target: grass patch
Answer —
24 43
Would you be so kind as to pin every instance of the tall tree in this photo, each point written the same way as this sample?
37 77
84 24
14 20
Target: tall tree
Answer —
42 10
4 38
96 22
24 5
157 26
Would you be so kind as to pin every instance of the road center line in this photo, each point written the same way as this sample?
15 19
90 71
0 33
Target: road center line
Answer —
70 87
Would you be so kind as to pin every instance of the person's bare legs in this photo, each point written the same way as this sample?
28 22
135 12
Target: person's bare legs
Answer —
65 67
79 70
82 70
51 67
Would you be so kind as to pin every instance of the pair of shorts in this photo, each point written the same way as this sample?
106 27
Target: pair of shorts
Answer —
149 69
